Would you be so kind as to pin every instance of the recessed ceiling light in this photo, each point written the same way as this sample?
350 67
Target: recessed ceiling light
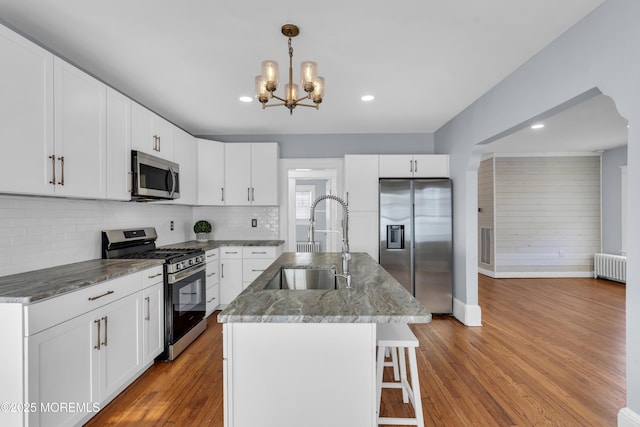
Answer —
537 126
246 99
368 98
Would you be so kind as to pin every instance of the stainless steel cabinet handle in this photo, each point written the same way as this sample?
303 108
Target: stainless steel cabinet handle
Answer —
416 166
222 194
155 143
347 201
253 269
97 346
248 194
230 252
222 268
253 194
210 255
212 274
155 275
61 158
100 296
212 299
259 253
148 316
53 169
104 343
410 165
159 143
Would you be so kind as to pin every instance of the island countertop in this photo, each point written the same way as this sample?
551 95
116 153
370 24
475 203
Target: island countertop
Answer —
375 296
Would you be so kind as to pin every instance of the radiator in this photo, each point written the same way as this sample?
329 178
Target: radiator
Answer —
307 247
612 267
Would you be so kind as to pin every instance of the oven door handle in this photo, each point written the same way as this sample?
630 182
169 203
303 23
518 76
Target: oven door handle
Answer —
176 277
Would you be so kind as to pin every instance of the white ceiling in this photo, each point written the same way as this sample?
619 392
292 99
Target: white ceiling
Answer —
190 60
590 126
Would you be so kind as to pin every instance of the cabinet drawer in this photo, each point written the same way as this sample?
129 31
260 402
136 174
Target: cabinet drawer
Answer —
252 268
259 252
152 276
212 255
212 273
213 298
231 252
43 315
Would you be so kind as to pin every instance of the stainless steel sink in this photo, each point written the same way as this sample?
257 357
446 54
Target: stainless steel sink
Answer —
293 278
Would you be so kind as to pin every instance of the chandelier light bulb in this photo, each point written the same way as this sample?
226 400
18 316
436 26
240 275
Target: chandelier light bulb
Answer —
267 82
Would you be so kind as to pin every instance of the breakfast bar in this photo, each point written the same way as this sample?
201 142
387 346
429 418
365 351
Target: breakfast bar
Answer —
300 347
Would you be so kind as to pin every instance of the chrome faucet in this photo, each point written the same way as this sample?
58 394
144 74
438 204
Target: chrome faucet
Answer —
346 256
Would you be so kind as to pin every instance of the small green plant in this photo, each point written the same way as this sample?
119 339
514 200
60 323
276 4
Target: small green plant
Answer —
202 226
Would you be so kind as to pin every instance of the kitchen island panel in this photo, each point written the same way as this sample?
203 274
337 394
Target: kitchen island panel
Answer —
291 374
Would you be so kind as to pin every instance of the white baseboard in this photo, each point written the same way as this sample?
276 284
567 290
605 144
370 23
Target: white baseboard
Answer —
485 272
469 315
628 418
540 274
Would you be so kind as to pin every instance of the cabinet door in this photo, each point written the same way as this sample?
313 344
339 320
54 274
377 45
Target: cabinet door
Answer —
252 268
153 322
26 115
396 166
164 130
118 146
431 166
211 169
185 156
361 182
230 279
143 137
237 174
264 174
80 132
62 363
120 353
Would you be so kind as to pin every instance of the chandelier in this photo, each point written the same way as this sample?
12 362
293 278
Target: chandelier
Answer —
311 83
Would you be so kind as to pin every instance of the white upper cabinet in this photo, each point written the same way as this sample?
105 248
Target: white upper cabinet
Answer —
361 182
151 133
414 166
185 157
118 146
251 174
26 115
211 190
264 174
237 174
80 133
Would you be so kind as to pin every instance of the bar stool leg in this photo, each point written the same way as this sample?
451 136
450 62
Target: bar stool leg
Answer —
379 370
415 387
403 374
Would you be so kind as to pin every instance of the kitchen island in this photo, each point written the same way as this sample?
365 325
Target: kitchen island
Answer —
307 356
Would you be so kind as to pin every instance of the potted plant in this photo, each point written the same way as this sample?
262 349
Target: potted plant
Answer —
202 229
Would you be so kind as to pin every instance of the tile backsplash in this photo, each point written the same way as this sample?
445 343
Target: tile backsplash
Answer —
234 222
41 232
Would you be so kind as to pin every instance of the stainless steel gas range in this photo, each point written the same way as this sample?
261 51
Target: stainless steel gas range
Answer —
184 283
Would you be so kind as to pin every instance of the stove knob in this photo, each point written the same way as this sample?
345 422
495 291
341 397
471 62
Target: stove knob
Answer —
191 261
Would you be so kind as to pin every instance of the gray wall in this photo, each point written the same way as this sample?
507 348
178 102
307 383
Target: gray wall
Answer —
337 145
600 51
611 199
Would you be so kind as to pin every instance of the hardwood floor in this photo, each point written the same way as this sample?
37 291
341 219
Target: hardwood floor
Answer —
551 352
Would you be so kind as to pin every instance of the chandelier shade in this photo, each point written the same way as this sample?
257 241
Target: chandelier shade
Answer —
311 84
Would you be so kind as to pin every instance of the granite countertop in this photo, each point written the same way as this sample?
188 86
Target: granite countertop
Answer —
34 286
375 296
212 244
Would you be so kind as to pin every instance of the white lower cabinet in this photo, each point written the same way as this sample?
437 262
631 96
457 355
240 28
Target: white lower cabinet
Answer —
152 323
241 265
62 366
84 361
213 280
85 347
230 278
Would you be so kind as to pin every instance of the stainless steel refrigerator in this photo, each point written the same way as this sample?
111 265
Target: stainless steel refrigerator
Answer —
416 245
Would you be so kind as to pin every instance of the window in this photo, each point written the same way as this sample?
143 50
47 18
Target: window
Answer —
305 195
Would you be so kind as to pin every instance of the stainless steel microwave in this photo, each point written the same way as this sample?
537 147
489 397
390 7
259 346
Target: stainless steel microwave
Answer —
153 177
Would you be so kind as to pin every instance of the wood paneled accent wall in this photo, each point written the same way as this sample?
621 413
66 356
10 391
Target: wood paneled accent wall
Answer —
547 215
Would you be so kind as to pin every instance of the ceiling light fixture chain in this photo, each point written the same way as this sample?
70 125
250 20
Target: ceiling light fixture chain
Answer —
267 82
